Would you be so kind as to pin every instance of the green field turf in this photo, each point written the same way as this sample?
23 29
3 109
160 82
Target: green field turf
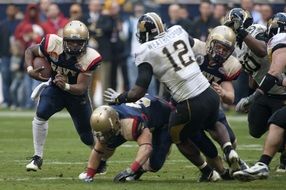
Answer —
65 157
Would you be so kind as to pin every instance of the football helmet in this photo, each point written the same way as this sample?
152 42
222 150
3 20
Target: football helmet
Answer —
276 25
149 27
220 44
238 17
105 122
75 37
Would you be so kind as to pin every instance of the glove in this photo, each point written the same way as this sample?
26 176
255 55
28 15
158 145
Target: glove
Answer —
243 105
122 176
235 23
85 178
111 96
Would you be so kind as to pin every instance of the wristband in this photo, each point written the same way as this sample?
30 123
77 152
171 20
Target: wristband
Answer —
29 68
122 98
67 87
135 166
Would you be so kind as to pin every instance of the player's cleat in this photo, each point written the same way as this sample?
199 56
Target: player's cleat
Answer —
226 175
38 90
136 175
281 168
35 164
243 165
211 177
258 171
83 176
233 161
101 170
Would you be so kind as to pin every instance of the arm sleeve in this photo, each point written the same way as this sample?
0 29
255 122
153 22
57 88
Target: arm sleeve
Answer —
145 73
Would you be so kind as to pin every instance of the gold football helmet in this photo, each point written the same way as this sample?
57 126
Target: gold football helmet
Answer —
220 44
105 122
75 37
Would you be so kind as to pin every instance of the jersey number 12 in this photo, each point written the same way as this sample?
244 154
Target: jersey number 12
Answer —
184 60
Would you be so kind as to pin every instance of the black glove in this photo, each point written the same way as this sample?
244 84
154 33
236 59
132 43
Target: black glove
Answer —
121 177
241 33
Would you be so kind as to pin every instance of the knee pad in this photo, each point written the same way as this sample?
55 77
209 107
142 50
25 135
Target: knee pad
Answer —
87 138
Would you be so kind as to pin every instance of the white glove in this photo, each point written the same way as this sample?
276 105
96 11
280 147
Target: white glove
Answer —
243 105
110 95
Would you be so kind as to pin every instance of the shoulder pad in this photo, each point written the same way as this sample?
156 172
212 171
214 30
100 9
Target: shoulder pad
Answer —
199 47
53 44
276 40
141 54
90 60
232 68
256 29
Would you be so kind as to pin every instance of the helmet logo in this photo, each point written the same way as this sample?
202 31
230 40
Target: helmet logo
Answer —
142 26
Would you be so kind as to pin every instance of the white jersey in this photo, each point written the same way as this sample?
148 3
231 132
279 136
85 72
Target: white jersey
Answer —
256 66
173 63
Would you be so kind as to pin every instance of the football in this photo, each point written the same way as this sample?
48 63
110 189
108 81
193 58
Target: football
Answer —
42 62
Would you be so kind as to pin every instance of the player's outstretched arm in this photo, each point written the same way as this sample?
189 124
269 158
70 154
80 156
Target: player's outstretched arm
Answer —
30 54
225 91
257 46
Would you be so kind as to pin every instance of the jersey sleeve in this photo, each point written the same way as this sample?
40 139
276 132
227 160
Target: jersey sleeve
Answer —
276 42
51 43
199 47
89 61
232 68
141 55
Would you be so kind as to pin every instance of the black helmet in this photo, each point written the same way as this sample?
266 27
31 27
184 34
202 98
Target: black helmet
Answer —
276 25
238 13
149 26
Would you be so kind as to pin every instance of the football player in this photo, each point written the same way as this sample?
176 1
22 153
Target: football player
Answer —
114 125
72 63
276 46
251 50
220 68
146 122
168 55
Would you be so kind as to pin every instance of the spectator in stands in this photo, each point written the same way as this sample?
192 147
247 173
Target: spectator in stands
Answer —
205 21
249 6
220 11
7 29
76 12
56 20
266 12
28 32
120 38
44 5
179 16
100 29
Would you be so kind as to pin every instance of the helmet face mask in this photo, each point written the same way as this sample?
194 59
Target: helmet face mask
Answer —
220 44
75 38
276 25
149 27
220 51
242 17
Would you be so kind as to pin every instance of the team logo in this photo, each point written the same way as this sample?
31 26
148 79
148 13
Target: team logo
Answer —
200 59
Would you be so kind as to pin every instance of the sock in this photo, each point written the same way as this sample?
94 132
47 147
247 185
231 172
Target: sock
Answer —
40 131
90 172
265 159
227 148
205 169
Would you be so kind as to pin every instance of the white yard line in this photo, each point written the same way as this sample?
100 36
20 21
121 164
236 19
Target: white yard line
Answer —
63 114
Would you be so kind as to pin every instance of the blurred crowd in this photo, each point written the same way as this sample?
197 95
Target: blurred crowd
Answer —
112 27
